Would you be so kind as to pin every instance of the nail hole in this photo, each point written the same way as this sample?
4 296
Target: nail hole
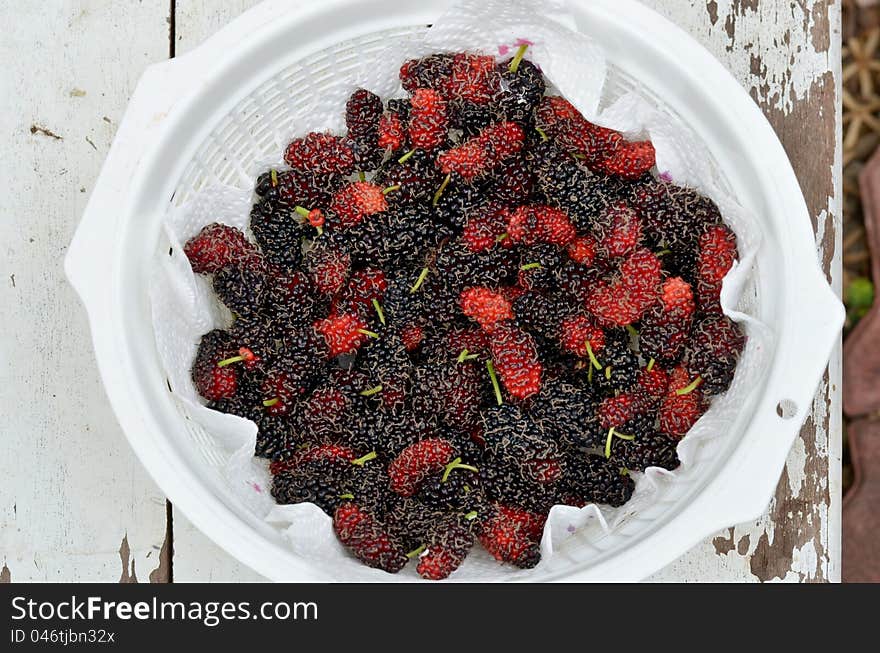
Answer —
786 409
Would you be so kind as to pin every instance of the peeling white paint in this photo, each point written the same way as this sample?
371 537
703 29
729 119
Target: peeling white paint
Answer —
805 560
760 37
796 472
69 481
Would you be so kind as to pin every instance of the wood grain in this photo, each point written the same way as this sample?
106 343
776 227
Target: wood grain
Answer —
75 504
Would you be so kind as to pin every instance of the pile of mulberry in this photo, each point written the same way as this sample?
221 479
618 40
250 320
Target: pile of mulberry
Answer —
471 306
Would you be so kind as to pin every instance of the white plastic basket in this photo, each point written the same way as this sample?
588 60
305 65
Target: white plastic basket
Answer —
201 119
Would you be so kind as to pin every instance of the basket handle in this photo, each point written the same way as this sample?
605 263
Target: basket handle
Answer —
816 318
160 87
99 228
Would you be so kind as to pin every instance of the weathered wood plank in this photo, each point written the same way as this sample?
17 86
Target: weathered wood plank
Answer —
787 54
75 504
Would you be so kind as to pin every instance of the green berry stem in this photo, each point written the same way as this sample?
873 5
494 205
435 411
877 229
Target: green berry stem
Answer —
415 553
229 361
462 356
502 238
491 367
268 403
348 495
689 389
579 156
440 190
379 311
406 156
390 189
608 442
614 434
456 464
624 471
362 176
420 280
651 364
663 252
471 515
363 459
542 134
590 374
531 266
593 360
372 391
631 330
366 332
274 176
520 53
303 211
608 372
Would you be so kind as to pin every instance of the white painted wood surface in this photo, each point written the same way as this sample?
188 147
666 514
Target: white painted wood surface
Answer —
65 519
75 503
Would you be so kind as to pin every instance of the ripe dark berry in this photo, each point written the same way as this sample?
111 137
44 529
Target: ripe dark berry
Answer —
485 307
343 334
516 360
428 72
514 536
212 381
540 224
522 91
362 113
365 537
568 411
596 479
481 154
713 351
215 247
682 405
674 216
241 287
417 462
666 327
279 232
328 265
320 154
717 254
428 120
